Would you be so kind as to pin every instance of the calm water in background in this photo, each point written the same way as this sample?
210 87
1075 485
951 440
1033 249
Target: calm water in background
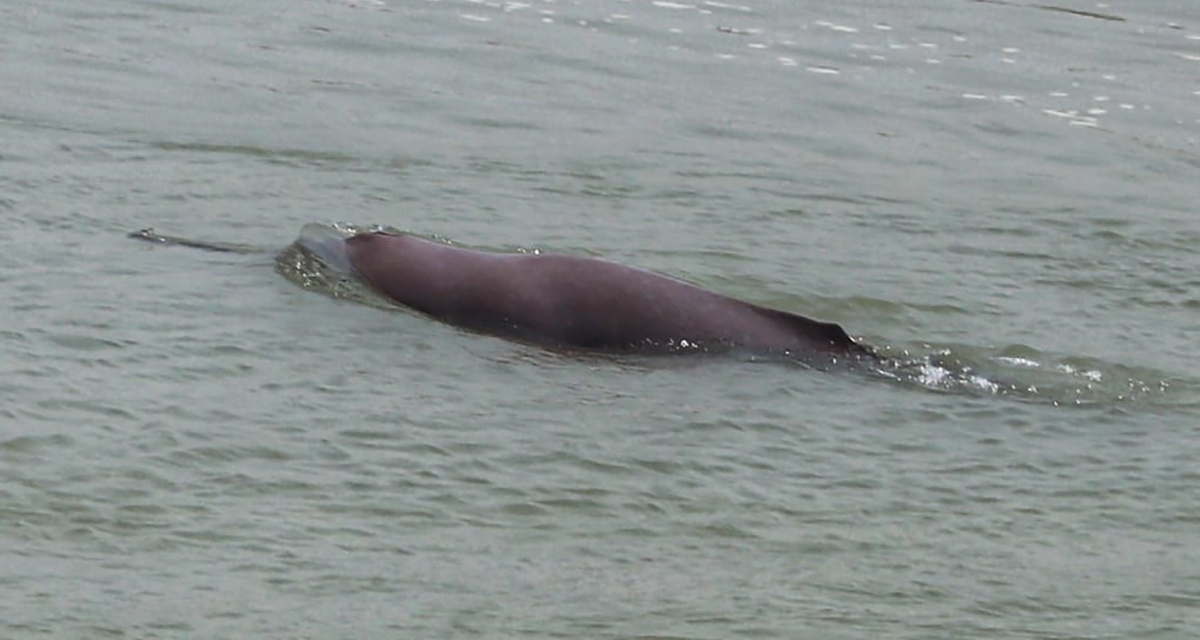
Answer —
192 446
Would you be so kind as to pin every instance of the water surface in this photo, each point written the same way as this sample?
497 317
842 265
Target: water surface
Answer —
193 446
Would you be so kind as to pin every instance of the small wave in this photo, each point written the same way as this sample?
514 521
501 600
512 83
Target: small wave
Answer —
1025 373
316 261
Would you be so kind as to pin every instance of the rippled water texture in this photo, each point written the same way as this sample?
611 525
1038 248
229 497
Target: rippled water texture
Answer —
999 195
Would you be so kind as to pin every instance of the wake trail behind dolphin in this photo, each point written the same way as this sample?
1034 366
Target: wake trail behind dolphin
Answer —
150 235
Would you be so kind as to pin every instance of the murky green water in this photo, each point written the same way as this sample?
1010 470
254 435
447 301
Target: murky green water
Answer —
192 446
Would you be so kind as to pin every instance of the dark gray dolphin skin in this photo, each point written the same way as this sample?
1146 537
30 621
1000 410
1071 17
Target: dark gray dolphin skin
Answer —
578 302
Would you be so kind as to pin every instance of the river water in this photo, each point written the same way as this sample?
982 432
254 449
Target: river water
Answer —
1001 196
